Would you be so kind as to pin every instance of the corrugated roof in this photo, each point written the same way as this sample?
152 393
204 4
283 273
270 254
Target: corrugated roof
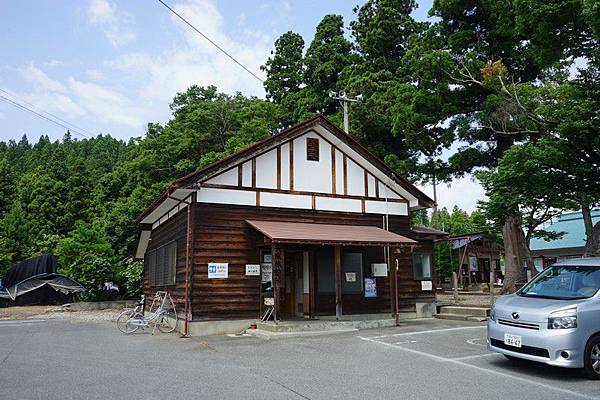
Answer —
425 230
300 232
574 232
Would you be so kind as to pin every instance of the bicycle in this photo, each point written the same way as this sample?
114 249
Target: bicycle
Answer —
164 317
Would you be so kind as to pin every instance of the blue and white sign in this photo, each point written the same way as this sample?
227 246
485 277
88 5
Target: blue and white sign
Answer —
370 287
218 270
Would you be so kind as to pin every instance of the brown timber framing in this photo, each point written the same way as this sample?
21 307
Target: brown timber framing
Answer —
240 173
345 174
333 178
291 146
278 167
291 177
298 192
197 177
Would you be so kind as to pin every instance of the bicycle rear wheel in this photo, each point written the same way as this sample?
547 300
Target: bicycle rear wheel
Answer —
124 321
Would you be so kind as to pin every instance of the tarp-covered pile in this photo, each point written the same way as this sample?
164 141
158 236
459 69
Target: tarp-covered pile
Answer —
36 281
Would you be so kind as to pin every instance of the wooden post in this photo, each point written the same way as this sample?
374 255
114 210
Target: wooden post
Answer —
491 277
455 286
277 255
337 255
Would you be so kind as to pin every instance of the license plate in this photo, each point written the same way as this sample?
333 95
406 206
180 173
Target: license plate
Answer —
512 340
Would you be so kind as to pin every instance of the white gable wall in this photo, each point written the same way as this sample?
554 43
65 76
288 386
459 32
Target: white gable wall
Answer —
226 178
310 179
247 174
356 178
266 170
285 166
312 176
413 201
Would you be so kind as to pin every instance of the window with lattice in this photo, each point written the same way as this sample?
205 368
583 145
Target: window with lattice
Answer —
312 149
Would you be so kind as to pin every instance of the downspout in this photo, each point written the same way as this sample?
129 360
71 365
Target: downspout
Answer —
187 270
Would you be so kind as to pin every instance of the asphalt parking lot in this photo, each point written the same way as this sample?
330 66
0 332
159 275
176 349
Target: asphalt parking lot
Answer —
428 359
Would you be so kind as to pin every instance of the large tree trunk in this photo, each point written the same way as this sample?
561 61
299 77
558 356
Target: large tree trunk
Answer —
515 253
592 245
592 233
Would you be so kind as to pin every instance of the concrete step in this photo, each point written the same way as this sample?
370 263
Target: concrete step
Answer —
463 310
323 326
461 317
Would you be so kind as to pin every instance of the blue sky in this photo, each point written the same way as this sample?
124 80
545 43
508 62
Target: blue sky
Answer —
112 66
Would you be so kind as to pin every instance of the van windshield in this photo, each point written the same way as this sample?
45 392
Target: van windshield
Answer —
564 283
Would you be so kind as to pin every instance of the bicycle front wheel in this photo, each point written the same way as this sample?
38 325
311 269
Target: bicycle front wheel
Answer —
124 321
166 324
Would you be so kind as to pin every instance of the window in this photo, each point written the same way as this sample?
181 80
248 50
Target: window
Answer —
422 266
162 265
352 273
312 149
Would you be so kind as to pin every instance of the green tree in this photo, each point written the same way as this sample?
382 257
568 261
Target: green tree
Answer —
327 56
285 67
87 256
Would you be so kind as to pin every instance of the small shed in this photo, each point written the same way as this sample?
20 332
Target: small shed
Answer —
478 256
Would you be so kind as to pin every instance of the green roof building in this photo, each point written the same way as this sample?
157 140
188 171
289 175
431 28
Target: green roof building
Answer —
570 245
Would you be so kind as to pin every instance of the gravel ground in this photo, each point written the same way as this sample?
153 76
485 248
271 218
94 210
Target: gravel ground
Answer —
58 312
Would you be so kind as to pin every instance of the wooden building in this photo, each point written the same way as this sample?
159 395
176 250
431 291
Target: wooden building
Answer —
308 217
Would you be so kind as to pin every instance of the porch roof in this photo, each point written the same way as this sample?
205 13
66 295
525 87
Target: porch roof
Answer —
301 232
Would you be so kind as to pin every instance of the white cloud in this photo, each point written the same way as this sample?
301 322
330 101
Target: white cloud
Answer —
54 63
76 98
114 23
39 78
94 74
195 60
462 192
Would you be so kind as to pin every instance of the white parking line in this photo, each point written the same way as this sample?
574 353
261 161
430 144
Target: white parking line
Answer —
430 331
475 367
474 356
17 322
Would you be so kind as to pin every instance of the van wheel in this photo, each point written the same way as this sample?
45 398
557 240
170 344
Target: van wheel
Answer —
591 367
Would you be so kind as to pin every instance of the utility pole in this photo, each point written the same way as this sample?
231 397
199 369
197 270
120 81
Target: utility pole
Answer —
344 99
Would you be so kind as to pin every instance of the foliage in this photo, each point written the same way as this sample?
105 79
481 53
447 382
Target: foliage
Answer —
132 278
87 256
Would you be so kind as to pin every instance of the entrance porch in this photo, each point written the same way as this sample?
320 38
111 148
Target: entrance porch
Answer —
321 272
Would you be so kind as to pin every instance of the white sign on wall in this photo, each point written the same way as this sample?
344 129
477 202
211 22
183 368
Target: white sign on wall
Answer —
350 276
379 269
426 285
218 270
253 269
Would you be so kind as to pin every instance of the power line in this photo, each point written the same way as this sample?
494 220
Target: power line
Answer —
211 41
24 108
76 129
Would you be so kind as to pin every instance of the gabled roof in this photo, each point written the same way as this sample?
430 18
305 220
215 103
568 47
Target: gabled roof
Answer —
571 224
190 179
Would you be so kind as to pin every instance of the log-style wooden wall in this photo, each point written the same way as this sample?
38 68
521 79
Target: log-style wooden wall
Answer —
222 235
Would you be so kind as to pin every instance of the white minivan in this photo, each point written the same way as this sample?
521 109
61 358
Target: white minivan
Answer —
554 319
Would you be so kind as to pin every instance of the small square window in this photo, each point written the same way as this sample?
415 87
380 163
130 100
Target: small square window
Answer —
422 266
312 149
